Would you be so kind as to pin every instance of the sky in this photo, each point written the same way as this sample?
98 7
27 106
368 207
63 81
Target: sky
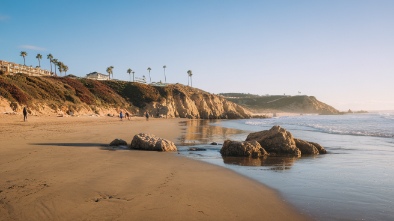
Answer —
340 51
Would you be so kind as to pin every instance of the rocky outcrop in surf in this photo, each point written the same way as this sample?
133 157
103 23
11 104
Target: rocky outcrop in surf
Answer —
276 142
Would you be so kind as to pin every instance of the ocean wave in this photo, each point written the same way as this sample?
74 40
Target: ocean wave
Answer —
388 116
372 132
354 125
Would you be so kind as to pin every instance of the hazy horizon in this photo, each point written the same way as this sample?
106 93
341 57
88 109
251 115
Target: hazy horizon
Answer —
341 52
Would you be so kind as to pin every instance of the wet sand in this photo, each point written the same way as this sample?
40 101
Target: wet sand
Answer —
54 168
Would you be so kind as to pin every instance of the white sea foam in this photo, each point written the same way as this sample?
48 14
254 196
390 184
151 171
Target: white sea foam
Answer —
375 125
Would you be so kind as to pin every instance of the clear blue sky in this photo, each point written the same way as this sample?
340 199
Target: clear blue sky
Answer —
341 51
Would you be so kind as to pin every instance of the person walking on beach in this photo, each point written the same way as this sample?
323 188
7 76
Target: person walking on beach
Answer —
127 115
147 116
24 114
121 115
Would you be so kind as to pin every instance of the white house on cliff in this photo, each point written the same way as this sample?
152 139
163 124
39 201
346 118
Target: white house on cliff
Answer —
97 76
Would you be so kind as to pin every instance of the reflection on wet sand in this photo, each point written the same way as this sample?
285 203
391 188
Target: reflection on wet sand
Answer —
275 163
202 132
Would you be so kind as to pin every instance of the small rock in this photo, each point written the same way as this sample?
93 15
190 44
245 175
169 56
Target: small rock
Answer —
197 149
118 142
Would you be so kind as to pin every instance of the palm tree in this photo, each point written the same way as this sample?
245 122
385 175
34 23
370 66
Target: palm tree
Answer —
165 79
112 72
24 54
39 57
190 74
133 75
149 69
50 57
55 62
129 72
188 77
109 71
60 65
65 69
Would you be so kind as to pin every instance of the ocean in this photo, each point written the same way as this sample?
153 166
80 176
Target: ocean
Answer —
353 181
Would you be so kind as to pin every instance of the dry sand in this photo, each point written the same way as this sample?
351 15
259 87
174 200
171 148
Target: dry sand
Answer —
54 168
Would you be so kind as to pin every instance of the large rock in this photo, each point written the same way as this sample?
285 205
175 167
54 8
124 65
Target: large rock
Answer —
242 149
144 141
279 141
276 141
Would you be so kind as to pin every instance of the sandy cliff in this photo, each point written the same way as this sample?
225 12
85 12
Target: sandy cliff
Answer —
186 102
73 96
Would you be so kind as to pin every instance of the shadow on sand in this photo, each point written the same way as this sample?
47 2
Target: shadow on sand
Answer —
99 145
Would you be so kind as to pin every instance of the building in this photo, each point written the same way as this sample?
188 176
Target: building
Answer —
10 68
97 76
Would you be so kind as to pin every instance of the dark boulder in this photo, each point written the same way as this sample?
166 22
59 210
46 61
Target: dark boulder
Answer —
242 149
118 142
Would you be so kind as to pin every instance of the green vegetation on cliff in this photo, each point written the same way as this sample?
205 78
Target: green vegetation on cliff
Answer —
280 103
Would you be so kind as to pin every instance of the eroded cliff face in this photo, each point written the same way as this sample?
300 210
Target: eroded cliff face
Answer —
80 96
186 102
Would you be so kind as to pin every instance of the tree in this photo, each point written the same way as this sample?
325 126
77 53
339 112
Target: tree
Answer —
24 54
39 57
50 57
55 62
129 72
165 79
60 65
65 69
190 74
150 79
110 71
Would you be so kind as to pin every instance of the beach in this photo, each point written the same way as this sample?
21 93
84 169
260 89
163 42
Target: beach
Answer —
353 181
60 168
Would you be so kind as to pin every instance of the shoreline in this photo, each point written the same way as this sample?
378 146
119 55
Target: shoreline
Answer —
54 168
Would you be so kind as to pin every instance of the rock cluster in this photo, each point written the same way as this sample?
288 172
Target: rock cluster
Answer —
144 141
276 142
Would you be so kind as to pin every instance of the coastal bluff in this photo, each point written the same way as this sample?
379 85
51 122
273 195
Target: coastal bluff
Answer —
70 95
300 104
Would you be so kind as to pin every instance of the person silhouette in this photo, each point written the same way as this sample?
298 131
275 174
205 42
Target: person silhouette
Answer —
24 114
